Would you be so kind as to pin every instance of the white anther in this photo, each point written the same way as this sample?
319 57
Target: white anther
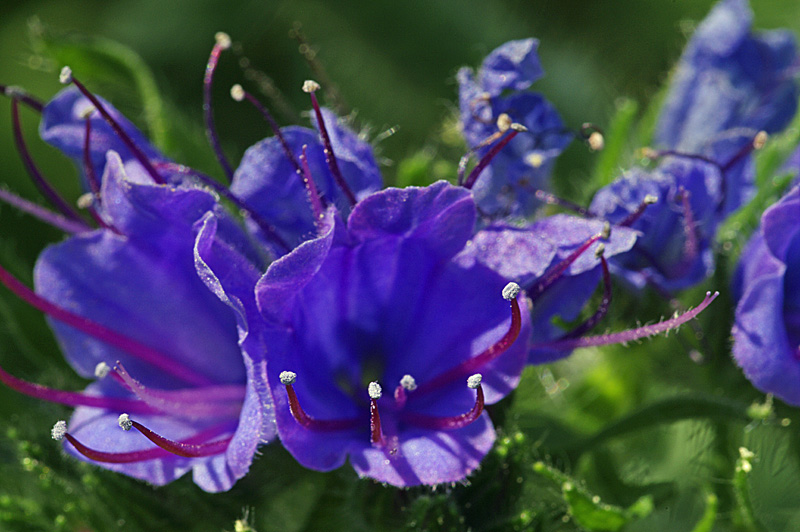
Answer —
503 122
408 383
374 390
101 370
65 78
596 141
85 200
86 112
474 380
649 153
605 232
485 96
534 160
650 199
760 139
58 430
310 85
600 250
124 422
223 40
14 92
511 291
237 93
518 127
288 377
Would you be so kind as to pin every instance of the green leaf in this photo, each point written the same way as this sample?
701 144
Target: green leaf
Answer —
617 138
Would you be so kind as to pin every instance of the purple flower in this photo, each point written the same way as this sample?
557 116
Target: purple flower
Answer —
729 85
766 332
490 100
674 209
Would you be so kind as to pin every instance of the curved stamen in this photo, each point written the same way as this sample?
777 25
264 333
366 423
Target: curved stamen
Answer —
451 422
239 94
18 93
199 402
631 219
310 87
375 432
100 332
188 450
513 131
552 199
49 217
91 177
41 183
59 432
503 124
629 335
311 188
64 397
66 78
269 231
556 271
223 42
691 247
602 309
757 143
407 384
287 379
469 366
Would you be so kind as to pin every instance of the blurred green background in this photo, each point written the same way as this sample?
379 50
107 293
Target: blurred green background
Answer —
394 66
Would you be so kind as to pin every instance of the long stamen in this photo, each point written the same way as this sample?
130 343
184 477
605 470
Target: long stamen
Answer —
64 397
510 293
452 422
200 402
552 199
631 219
223 42
18 93
407 384
513 131
756 144
269 231
67 78
692 246
375 432
629 335
129 345
311 188
503 124
188 450
605 303
60 432
311 87
91 176
49 217
239 94
288 378
556 271
38 179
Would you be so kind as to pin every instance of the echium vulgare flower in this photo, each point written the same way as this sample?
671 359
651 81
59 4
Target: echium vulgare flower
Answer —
207 348
766 332
730 89
125 300
490 101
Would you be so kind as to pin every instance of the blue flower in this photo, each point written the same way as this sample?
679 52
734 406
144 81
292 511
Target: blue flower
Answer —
499 92
730 84
766 332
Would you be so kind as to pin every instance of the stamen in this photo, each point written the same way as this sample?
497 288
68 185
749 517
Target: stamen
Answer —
605 303
311 87
58 430
188 450
692 246
757 143
66 77
91 177
453 422
64 397
514 130
556 271
510 293
239 94
269 231
101 370
631 219
45 215
595 138
629 335
196 445
552 199
38 179
376 434
18 93
311 188
198 403
100 332
407 383
288 378
223 43
124 422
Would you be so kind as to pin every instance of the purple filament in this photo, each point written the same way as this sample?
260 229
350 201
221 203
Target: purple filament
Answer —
311 188
602 309
324 425
133 347
448 423
19 94
552 199
188 450
208 110
276 130
49 217
555 272
330 158
484 162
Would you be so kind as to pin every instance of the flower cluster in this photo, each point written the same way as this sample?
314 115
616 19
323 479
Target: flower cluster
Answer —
215 318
